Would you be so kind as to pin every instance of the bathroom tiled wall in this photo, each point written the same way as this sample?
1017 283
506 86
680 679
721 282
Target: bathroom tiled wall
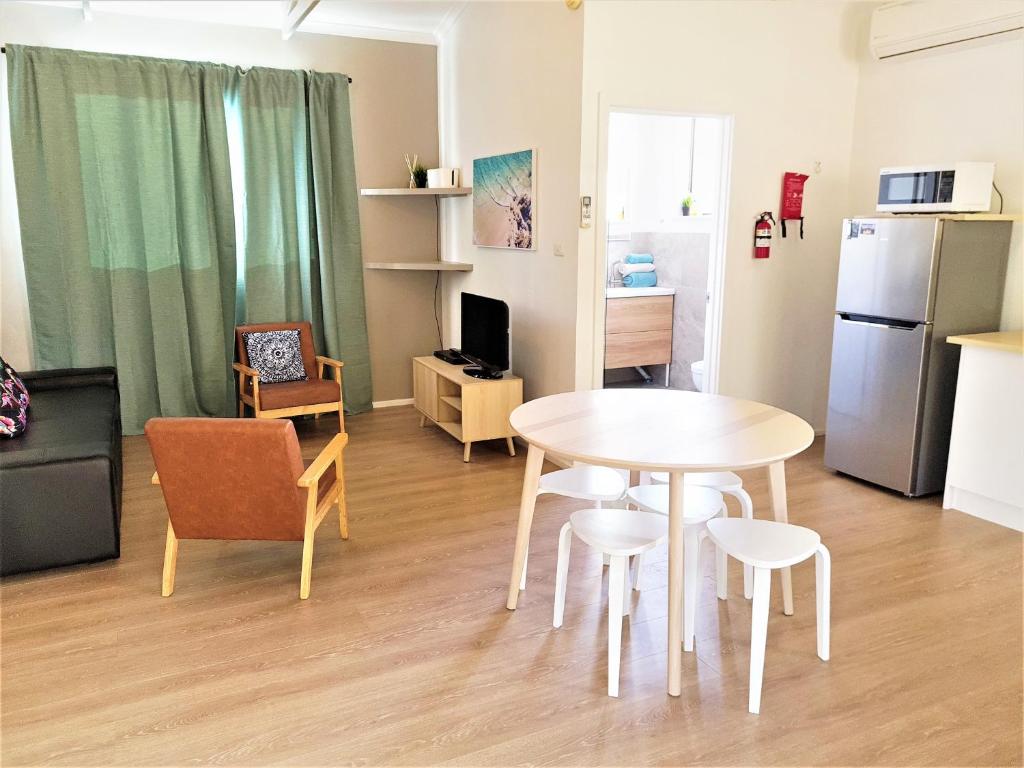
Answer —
681 261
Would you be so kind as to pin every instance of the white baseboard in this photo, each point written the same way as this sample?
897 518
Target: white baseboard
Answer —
992 510
392 403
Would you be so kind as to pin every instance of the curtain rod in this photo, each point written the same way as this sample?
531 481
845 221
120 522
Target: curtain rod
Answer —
3 49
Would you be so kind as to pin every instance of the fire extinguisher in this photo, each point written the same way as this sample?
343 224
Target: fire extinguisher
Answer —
763 235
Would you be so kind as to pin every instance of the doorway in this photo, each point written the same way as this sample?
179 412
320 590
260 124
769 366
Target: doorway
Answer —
661 267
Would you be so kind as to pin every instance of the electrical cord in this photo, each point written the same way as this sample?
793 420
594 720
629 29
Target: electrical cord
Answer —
437 277
1000 196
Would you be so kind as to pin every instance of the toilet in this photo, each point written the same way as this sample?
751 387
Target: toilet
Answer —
697 371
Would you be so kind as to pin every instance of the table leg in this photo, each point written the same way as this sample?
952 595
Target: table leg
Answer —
675 583
534 463
777 490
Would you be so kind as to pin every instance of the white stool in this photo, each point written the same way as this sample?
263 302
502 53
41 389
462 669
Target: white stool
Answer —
596 484
620 534
730 484
699 505
766 545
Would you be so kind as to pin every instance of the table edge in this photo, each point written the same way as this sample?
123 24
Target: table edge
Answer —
599 461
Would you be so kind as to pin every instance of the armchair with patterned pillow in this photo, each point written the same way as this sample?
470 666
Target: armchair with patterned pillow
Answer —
280 375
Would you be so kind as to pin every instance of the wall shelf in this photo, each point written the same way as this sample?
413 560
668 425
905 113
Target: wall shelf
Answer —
422 266
427 192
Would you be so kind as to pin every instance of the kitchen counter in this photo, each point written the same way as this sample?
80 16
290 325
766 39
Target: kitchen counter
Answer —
983 476
1005 341
626 293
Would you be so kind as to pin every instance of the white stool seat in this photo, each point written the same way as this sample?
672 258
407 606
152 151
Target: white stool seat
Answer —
723 481
699 503
597 484
584 482
619 532
764 543
767 545
726 482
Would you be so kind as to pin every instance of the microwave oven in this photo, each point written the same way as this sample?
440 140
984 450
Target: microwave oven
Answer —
950 188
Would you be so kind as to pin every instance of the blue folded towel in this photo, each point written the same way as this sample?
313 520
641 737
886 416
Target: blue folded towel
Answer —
641 280
639 258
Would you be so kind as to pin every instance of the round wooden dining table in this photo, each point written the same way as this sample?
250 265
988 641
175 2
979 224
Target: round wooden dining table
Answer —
657 431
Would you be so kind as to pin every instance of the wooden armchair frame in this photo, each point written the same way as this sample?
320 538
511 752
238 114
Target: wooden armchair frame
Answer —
315 513
253 400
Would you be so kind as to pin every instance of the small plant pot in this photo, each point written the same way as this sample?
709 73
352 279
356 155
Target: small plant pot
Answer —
419 178
686 210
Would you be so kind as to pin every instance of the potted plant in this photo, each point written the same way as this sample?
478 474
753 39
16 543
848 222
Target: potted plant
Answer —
417 173
687 204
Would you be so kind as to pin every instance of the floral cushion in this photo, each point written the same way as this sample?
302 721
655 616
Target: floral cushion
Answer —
277 355
14 400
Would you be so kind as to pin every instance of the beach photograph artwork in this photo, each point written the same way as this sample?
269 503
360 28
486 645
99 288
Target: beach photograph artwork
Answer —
504 190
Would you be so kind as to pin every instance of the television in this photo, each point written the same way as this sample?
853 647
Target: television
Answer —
484 336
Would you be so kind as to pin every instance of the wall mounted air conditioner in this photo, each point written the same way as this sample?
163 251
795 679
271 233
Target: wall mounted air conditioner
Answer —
915 25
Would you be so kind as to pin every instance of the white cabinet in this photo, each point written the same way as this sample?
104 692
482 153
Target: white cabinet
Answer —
985 474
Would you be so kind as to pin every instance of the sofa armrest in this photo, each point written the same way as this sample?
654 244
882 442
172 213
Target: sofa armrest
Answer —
65 378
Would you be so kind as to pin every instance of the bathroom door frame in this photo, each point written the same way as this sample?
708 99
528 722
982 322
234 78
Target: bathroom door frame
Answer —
716 255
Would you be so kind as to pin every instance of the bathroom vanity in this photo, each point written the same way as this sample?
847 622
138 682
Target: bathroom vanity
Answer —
638 327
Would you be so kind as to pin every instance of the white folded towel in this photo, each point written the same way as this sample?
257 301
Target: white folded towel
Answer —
628 269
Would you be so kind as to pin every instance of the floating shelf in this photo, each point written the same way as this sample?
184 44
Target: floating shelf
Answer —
426 192
422 266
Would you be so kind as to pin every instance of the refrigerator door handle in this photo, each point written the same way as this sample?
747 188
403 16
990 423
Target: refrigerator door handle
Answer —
896 325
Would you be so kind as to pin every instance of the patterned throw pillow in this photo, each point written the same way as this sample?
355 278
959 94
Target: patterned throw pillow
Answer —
14 402
277 355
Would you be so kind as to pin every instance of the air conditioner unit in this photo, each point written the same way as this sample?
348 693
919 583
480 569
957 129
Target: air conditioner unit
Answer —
915 25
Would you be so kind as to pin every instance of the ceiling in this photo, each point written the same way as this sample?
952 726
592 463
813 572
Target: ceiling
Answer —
414 21
423 17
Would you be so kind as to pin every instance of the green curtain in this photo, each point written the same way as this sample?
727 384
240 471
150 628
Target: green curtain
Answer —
278 232
124 196
337 228
301 217
123 168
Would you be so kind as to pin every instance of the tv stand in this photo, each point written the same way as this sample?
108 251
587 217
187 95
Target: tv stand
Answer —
467 408
482 372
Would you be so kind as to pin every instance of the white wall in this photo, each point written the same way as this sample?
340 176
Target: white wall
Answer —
787 73
510 81
953 103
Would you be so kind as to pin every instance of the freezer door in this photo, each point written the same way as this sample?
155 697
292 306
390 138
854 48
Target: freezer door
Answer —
887 267
873 401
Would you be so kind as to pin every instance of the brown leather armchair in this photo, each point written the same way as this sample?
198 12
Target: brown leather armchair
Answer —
289 398
232 479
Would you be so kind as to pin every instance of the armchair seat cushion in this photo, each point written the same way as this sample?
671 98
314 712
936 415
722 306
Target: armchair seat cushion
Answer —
289 394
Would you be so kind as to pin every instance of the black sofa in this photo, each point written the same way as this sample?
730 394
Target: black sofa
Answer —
60 482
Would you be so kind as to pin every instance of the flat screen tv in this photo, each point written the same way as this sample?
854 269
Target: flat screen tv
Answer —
484 335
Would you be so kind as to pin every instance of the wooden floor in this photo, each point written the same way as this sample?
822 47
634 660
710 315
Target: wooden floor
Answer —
405 654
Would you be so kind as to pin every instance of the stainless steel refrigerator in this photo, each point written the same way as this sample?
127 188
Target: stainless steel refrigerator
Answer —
905 284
